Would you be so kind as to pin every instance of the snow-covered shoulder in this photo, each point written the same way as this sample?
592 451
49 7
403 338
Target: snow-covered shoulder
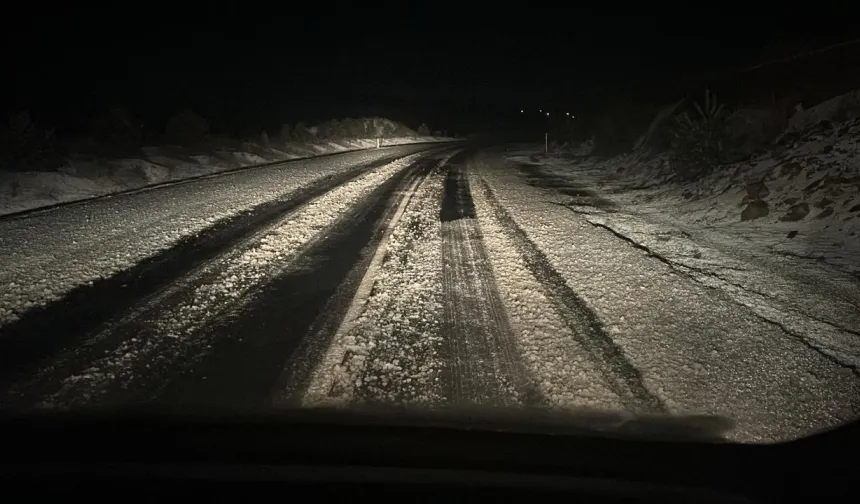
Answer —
696 348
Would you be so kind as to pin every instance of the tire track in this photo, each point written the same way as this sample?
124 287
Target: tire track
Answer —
625 379
85 310
342 308
383 350
484 366
135 357
251 372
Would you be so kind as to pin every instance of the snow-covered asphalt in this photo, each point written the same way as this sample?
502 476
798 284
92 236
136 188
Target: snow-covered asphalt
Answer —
423 276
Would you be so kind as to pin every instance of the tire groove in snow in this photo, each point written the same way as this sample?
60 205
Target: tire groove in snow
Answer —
68 319
483 364
156 336
346 304
623 377
387 349
245 368
565 375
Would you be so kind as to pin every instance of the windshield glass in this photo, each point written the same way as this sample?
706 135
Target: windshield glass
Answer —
566 218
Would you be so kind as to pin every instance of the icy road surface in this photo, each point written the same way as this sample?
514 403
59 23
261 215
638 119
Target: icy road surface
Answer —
423 276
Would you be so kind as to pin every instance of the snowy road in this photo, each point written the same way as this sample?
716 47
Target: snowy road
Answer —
414 275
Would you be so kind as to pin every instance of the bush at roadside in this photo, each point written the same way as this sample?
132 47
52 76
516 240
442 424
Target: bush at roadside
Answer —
26 146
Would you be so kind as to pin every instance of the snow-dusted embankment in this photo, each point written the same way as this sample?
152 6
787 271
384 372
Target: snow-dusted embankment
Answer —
777 233
82 178
696 349
45 255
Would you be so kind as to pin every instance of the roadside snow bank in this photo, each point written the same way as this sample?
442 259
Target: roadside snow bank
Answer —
83 178
839 108
800 199
779 234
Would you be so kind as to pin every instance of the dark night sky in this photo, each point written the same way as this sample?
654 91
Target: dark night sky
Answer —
253 67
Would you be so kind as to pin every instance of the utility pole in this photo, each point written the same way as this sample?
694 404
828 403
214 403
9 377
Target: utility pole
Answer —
546 135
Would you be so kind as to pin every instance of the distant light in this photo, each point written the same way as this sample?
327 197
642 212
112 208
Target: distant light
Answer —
522 111
568 113
547 114
540 110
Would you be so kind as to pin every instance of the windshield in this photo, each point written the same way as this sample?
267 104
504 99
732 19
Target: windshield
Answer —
567 217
